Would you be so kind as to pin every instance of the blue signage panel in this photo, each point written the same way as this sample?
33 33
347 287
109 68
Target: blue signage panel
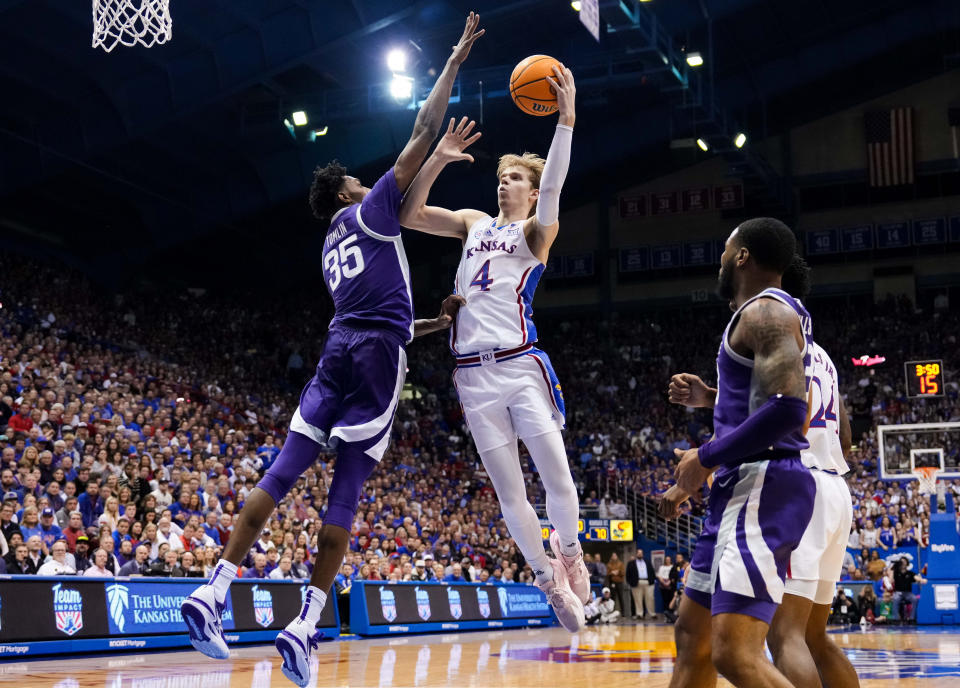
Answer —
579 265
822 241
955 229
929 231
381 608
120 613
634 259
662 257
893 235
697 253
137 607
859 238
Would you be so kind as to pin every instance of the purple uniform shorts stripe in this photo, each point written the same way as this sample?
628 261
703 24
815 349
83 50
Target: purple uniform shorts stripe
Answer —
757 515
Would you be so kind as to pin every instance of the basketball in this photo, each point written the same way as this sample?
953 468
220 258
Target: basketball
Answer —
529 87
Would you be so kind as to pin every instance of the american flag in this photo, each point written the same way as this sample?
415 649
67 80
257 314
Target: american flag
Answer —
890 146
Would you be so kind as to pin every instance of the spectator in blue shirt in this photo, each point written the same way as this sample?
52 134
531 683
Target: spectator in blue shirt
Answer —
210 527
29 522
49 530
455 575
89 505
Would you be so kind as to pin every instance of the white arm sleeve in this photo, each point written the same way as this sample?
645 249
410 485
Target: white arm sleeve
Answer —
554 172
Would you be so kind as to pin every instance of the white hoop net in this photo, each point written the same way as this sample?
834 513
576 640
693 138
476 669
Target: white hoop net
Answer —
927 475
129 22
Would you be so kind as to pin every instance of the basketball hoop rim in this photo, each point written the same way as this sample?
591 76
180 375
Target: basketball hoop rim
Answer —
927 477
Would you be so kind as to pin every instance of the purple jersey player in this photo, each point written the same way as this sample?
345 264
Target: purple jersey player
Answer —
762 495
350 402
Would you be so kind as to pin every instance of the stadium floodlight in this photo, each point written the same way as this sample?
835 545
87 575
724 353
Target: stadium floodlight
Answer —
321 132
401 87
703 145
397 60
300 118
576 5
740 139
694 59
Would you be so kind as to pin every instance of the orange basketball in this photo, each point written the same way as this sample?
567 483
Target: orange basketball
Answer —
529 87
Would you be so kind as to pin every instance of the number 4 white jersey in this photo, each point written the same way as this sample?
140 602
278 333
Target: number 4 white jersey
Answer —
498 276
825 452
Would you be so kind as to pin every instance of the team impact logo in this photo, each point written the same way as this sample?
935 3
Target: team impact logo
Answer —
67 609
502 594
423 604
388 604
453 598
484 601
262 606
118 600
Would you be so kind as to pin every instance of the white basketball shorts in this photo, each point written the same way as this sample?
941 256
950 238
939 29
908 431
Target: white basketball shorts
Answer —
518 397
816 563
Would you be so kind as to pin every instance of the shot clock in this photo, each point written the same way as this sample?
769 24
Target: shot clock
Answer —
924 378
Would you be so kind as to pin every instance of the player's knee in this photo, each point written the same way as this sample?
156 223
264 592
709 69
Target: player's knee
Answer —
728 658
732 655
692 639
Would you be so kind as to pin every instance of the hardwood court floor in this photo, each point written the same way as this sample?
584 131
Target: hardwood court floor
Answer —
610 656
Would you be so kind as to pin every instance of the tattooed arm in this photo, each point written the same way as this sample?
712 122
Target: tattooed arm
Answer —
769 332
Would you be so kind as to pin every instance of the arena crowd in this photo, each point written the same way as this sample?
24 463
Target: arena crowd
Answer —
134 426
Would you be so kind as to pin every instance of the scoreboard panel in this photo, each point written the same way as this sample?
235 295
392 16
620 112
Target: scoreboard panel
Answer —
597 530
924 378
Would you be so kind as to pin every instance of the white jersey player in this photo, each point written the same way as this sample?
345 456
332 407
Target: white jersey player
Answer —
506 385
816 563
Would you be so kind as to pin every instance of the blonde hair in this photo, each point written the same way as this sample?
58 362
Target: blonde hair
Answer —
532 162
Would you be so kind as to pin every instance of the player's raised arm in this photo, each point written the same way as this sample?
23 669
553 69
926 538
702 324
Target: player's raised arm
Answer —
430 117
542 228
415 213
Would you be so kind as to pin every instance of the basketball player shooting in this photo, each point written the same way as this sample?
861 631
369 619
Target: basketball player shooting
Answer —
351 401
762 495
798 640
506 386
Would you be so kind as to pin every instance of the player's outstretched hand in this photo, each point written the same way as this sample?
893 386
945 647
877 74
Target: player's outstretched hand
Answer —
470 34
456 140
690 474
566 90
689 390
449 309
671 501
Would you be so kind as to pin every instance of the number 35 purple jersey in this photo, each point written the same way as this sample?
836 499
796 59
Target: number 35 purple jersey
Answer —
364 264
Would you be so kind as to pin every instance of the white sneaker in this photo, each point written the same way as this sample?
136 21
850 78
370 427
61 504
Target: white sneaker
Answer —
294 645
566 606
577 575
201 612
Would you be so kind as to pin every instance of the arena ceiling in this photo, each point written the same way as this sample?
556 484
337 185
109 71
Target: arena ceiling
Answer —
173 162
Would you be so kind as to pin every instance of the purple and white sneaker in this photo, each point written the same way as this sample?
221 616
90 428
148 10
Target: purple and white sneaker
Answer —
201 612
294 644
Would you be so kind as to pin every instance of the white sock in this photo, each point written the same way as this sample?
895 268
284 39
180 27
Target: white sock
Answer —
312 607
223 575
570 550
541 566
